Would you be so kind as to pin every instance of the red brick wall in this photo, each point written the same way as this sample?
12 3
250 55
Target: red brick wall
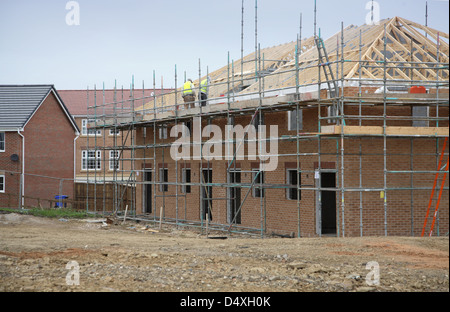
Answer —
11 169
49 150
403 213
103 139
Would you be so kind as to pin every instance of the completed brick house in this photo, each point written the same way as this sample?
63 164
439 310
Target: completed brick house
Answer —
37 135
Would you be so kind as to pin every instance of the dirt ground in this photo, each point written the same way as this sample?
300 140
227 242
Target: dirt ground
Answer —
138 257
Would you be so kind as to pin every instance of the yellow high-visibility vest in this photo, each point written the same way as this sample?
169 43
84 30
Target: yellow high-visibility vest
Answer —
187 88
204 85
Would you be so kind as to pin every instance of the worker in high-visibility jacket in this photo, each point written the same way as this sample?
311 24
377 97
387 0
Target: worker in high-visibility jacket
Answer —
204 86
189 94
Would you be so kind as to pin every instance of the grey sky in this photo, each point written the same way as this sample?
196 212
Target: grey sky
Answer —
118 39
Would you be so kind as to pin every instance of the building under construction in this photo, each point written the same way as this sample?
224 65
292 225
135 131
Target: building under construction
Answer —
360 148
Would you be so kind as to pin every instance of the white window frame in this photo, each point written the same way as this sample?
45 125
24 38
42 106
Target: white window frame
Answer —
84 129
111 132
114 160
2 142
85 160
3 184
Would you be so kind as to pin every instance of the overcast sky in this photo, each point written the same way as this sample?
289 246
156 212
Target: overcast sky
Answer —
118 39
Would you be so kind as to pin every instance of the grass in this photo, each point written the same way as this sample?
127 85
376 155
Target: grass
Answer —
52 213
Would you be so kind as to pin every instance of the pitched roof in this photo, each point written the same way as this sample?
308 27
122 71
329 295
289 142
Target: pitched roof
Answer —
18 103
242 70
77 100
405 43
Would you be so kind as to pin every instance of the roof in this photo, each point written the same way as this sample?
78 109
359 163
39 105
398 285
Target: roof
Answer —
405 40
77 100
18 103
242 70
402 37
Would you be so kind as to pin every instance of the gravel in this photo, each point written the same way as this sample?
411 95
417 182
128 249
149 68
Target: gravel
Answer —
34 253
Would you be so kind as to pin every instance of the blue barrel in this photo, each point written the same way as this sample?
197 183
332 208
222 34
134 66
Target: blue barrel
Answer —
59 204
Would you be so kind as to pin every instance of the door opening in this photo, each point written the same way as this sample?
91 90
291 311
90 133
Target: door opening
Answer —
148 192
235 198
326 207
206 192
328 180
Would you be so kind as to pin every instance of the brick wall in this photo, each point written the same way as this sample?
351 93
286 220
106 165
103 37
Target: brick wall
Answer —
11 169
49 150
104 139
357 212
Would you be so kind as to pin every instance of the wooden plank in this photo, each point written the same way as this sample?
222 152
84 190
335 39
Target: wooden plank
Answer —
427 29
416 59
432 131
401 59
419 37
390 131
367 54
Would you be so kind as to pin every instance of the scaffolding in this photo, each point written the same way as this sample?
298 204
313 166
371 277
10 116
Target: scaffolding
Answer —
356 86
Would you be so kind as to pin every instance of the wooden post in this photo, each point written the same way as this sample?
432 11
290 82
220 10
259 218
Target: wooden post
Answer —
125 216
207 224
160 217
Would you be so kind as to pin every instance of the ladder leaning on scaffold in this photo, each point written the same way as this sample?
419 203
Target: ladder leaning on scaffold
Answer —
433 190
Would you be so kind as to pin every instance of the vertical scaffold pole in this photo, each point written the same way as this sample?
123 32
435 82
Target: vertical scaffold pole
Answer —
384 131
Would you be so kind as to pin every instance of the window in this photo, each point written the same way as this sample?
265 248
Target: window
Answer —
206 207
2 141
188 125
91 160
292 120
114 160
85 130
84 126
185 178
332 112
163 132
294 178
420 112
163 178
114 132
258 191
259 118
2 183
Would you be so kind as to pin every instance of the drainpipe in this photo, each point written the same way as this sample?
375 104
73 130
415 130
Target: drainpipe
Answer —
75 156
75 161
22 176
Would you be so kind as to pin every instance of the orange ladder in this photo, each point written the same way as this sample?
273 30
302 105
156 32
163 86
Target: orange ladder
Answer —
432 192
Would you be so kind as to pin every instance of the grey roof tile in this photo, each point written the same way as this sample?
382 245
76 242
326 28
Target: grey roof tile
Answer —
18 102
